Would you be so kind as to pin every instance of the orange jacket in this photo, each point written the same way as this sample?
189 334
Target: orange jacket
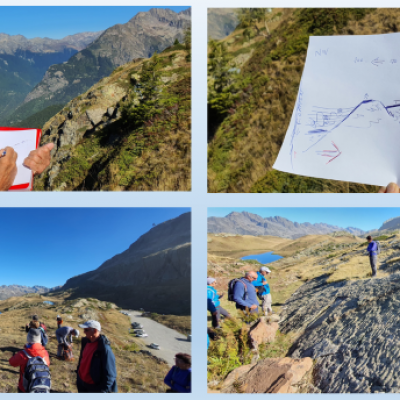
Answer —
20 359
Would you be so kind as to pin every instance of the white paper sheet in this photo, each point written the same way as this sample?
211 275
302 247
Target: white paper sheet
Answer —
346 121
23 142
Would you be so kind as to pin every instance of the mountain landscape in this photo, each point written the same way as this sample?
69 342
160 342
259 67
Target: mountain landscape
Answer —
23 62
142 36
246 223
253 81
130 131
334 326
221 22
18 290
154 273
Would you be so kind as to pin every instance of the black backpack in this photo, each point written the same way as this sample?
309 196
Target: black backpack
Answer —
37 377
231 286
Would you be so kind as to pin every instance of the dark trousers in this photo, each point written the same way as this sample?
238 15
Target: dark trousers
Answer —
217 317
373 260
84 387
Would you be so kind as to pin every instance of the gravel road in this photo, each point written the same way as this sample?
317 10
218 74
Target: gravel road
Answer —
170 341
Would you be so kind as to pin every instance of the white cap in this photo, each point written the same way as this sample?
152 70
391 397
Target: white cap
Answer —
76 333
210 281
91 324
266 269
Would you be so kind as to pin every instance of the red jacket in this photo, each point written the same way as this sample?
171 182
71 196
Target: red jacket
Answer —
20 360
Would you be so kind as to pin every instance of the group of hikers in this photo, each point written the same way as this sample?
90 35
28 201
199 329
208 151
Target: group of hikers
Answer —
96 371
245 292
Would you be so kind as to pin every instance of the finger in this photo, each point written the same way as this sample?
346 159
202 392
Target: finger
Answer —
33 160
382 189
392 188
11 153
48 146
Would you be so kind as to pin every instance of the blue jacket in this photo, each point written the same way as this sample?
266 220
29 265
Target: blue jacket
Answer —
211 306
239 292
372 248
179 380
258 283
102 368
213 295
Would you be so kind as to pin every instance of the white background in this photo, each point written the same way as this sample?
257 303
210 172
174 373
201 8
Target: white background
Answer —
198 199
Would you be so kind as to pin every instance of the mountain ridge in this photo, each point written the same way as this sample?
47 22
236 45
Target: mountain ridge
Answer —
246 223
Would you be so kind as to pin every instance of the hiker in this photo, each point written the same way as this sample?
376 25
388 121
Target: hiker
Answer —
38 160
373 255
263 289
179 376
35 324
214 297
244 293
64 349
96 370
32 349
59 321
391 188
41 324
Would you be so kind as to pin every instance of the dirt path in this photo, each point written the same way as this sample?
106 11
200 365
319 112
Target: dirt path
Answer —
170 341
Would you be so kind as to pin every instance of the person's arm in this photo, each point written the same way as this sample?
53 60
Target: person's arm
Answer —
39 159
109 371
17 360
168 378
211 306
238 294
8 168
180 388
369 248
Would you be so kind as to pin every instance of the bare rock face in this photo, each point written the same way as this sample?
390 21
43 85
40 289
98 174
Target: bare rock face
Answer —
350 329
154 273
271 375
263 332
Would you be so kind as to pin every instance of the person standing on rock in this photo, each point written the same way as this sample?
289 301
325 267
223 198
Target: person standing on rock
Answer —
264 291
64 339
373 255
213 296
97 372
179 376
33 348
244 293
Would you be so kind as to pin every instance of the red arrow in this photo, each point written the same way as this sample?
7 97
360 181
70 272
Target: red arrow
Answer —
331 153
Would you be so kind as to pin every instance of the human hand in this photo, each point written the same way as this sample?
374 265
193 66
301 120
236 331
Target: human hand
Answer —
8 168
253 307
221 295
391 188
39 159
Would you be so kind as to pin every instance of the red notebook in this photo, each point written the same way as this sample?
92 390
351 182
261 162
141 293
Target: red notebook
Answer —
23 141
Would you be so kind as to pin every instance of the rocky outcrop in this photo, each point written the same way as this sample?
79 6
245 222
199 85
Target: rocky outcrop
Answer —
271 375
350 329
263 332
154 273
246 223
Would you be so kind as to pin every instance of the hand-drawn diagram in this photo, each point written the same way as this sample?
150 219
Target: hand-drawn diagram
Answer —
346 120
323 123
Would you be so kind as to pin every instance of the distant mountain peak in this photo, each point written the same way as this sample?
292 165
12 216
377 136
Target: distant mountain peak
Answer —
246 223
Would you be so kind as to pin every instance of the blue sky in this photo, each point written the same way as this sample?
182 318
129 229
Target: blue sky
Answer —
362 218
58 22
47 246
